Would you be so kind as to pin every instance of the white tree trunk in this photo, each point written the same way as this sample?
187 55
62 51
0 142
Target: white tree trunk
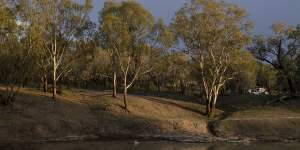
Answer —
115 85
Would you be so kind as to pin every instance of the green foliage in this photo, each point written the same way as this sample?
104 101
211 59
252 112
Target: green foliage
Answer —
201 51
267 77
178 70
54 32
244 65
162 36
211 30
125 27
213 33
14 60
7 20
123 24
10 59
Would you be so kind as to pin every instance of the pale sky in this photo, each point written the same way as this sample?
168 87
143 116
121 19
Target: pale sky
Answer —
262 12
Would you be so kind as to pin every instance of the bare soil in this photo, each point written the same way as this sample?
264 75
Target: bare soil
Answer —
35 116
83 115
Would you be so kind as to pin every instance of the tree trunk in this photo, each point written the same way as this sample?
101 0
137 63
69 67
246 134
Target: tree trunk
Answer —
213 106
182 87
291 87
114 65
208 111
45 83
125 93
54 80
25 82
211 109
54 90
115 85
158 85
125 99
86 84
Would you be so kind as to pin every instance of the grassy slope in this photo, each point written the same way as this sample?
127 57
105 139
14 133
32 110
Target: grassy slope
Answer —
35 115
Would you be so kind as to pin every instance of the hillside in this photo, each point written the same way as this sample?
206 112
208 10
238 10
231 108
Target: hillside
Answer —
83 114
36 116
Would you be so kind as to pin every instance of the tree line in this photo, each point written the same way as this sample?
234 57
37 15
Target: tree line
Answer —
207 50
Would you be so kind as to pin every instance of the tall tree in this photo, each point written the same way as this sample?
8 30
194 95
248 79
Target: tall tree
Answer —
109 9
280 51
13 58
61 21
212 31
127 26
33 40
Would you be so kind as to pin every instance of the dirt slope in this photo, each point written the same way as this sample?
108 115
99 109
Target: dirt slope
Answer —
80 112
35 116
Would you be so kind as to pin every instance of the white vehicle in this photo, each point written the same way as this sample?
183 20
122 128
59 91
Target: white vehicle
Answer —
258 91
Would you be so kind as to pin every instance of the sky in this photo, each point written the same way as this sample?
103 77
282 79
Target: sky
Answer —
262 12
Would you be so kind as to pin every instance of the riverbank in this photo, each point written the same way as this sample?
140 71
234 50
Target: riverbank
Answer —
136 139
147 145
80 115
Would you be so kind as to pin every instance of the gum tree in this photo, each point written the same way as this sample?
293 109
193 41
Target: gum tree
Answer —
212 31
126 27
60 21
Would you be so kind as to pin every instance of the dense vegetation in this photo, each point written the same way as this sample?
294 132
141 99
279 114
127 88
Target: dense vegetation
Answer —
207 50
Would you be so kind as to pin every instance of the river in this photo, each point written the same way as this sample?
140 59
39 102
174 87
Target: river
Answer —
148 146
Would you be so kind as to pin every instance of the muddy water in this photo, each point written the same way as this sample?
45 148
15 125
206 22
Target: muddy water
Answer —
148 146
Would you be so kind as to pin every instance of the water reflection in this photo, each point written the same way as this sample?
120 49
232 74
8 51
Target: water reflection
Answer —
147 146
